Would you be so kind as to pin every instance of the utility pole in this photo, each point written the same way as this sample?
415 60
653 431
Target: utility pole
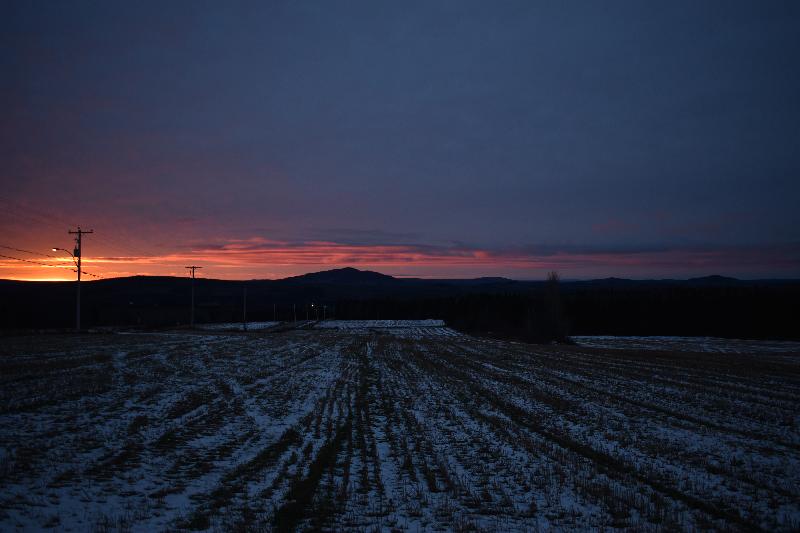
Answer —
77 258
274 313
324 311
191 316
294 312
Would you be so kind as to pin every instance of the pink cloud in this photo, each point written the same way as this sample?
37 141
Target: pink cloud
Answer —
264 258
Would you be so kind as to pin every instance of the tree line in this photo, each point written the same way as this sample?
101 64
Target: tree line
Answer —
534 312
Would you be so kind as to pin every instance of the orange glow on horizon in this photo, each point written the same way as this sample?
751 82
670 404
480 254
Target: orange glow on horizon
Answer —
269 259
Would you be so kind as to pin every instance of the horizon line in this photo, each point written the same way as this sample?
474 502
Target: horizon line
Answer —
411 277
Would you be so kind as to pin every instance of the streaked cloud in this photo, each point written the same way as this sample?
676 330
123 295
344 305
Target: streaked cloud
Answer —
264 258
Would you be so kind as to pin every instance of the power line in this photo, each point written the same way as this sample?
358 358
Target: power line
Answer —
27 251
34 262
48 265
45 255
38 216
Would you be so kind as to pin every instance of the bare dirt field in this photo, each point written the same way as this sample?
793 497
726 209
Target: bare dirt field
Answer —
414 428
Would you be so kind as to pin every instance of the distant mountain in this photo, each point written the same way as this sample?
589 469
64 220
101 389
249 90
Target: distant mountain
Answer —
347 276
705 281
713 281
460 282
487 281
605 306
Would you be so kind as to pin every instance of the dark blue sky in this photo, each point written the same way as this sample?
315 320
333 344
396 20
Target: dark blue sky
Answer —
431 138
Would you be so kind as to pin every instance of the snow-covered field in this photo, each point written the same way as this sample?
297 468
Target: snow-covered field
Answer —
689 344
236 326
376 324
368 429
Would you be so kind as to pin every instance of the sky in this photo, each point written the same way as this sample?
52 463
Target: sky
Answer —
442 139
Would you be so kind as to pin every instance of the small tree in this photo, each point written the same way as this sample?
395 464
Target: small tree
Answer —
556 321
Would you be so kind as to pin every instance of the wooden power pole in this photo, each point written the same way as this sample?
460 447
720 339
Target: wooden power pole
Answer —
77 258
191 316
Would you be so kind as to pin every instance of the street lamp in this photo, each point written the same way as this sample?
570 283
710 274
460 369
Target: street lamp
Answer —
76 258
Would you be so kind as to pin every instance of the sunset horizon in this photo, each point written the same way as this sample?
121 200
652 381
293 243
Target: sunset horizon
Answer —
259 259
268 140
371 266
